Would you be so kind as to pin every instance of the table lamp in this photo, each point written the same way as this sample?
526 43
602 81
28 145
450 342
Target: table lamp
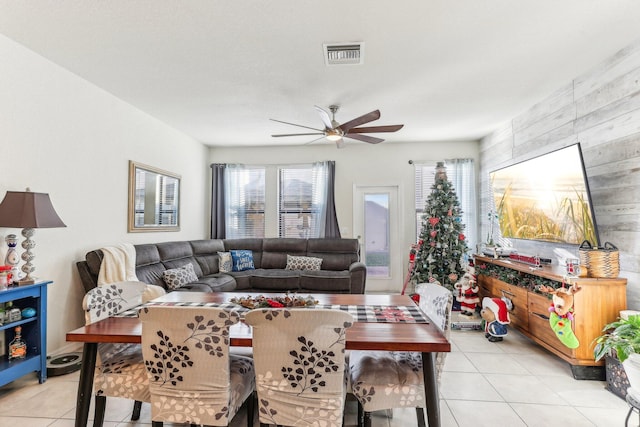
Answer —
28 210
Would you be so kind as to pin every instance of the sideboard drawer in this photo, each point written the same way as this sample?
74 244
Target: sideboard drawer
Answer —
540 328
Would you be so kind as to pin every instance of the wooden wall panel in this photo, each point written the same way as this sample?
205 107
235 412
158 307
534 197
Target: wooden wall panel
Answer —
554 102
558 119
610 69
617 89
601 110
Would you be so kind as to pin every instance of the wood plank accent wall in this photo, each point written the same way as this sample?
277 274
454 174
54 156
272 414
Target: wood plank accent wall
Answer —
601 110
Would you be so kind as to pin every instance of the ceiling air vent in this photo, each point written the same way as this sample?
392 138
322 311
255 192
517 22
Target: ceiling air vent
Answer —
343 53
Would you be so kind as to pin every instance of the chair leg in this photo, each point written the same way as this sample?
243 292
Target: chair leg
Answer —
360 415
137 406
101 404
366 419
250 403
156 423
420 415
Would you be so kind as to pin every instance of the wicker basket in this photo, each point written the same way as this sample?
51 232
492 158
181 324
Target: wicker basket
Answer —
601 262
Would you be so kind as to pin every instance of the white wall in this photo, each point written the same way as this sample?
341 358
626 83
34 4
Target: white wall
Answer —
362 165
64 136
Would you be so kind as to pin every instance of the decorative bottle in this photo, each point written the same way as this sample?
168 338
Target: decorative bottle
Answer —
17 348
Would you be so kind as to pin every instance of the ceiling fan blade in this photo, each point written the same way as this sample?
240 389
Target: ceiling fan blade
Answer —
324 116
365 118
293 124
314 140
364 138
298 134
375 129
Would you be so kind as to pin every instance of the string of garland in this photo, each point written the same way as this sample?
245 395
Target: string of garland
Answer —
516 278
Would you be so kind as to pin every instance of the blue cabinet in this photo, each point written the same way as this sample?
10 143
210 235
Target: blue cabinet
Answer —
34 332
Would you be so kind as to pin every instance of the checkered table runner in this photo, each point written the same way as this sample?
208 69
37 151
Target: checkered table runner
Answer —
362 313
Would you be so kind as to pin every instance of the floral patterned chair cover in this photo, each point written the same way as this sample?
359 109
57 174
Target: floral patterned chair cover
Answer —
192 377
384 380
119 369
300 365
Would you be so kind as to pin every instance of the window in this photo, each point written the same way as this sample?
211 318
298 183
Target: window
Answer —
461 173
285 201
244 201
295 202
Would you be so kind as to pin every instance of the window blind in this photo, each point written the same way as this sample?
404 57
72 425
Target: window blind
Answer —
296 216
244 201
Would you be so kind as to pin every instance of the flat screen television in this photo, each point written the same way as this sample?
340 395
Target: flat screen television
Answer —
546 198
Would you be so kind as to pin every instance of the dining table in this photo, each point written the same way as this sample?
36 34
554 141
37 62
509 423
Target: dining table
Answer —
388 322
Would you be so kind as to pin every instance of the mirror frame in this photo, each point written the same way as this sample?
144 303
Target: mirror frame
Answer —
134 167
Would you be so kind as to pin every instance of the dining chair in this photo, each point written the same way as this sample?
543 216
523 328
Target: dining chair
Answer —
300 365
383 380
192 376
119 368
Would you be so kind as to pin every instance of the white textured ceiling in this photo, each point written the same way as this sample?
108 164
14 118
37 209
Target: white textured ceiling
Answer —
219 69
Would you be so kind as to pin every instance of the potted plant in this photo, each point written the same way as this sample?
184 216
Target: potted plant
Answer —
621 341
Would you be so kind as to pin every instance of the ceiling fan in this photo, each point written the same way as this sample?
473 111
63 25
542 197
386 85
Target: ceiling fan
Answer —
335 131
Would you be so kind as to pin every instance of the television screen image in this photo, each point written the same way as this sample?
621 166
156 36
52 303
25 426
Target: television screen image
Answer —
545 198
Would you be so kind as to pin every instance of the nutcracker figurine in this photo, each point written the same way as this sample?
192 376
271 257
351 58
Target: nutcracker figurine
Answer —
12 259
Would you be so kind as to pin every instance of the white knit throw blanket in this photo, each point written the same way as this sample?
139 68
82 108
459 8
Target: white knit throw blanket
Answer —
118 264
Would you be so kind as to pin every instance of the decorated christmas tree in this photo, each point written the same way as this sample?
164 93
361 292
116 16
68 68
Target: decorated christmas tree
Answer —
442 240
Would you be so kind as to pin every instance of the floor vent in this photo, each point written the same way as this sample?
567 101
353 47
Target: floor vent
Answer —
344 53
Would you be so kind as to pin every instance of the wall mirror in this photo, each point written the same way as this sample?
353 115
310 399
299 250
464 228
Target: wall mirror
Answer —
154 197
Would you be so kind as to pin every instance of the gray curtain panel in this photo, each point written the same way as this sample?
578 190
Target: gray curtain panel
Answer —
218 208
331 226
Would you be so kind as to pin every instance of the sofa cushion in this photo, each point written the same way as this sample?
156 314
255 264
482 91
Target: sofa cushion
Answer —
275 251
151 274
147 254
303 263
242 278
206 254
217 282
337 254
325 281
275 280
242 260
178 277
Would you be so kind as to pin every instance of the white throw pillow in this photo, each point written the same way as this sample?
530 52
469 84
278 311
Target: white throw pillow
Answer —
226 262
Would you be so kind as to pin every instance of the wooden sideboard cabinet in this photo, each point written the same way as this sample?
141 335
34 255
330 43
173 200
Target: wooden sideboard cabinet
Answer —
598 303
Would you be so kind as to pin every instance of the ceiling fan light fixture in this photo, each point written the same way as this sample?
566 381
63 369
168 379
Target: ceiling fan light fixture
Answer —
334 137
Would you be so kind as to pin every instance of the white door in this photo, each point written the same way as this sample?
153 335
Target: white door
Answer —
375 223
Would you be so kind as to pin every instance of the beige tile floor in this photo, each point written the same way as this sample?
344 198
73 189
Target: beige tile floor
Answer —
512 383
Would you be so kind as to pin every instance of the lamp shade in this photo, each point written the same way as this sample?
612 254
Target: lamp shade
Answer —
25 209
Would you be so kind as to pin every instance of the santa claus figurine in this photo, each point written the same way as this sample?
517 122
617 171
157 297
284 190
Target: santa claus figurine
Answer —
496 317
467 291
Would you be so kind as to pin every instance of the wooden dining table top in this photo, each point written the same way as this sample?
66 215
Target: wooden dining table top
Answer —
392 336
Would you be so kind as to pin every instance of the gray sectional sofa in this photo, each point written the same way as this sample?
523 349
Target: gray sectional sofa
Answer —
341 270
